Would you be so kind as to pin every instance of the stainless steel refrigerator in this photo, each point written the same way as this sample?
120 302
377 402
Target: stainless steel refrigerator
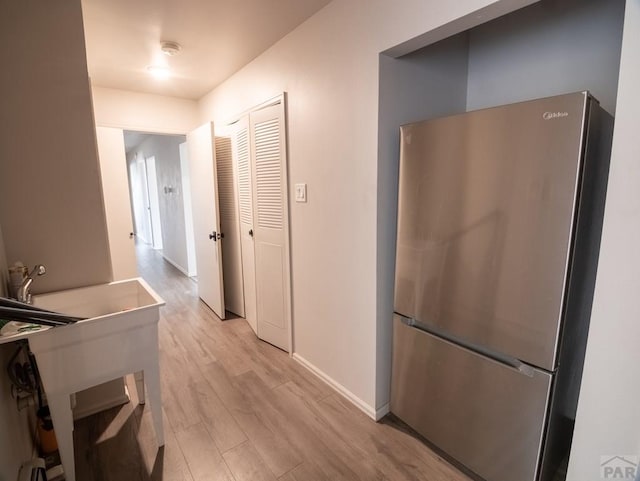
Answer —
499 222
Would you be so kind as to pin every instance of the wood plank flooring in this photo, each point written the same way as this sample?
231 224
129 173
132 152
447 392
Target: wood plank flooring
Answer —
238 409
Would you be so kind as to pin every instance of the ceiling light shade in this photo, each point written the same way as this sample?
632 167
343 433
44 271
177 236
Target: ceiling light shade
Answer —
170 48
159 71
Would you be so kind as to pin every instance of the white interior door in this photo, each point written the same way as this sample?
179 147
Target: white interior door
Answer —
240 150
115 190
139 200
271 225
188 211
206 217
231 256
144 181
154 202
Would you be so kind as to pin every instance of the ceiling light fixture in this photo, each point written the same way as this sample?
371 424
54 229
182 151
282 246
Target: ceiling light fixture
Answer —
170 48
159 71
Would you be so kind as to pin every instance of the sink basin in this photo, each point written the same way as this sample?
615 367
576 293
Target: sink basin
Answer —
109 308
93 302
101 300
119 337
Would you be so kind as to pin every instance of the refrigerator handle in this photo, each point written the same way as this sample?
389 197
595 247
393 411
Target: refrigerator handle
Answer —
509 361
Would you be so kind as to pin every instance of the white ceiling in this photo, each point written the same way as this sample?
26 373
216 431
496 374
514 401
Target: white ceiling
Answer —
218 37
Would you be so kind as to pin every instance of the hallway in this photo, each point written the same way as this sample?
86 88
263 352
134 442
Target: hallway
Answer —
238 409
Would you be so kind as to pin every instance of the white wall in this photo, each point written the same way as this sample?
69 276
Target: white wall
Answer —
51 205
329 67
143 112
113 169
165 149
608 420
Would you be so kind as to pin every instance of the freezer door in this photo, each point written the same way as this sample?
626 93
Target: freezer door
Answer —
488 416
485 217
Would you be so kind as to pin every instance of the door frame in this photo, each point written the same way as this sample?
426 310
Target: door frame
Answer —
152 130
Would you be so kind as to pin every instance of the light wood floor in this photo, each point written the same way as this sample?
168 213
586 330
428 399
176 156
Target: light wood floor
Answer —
238 409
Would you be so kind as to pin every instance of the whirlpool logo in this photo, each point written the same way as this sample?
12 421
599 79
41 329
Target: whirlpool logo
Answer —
554 115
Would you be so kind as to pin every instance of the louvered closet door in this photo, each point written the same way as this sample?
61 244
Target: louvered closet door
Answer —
230 228
242 159
269 169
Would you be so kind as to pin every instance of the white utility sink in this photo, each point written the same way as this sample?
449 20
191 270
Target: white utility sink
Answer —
119 337
101 300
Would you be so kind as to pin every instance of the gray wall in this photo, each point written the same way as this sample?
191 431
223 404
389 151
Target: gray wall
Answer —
550 48
51 206
407 87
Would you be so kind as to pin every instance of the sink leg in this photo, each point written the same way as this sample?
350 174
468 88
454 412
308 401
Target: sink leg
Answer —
152 380
61 415
139 377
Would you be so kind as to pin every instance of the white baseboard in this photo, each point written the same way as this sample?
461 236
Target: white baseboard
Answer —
177 266
383 411
370 411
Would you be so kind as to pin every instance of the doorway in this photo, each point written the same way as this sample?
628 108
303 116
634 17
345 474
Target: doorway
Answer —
159 190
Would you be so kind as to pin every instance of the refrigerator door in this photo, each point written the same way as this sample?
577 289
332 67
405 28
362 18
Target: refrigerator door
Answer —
485 219
488 416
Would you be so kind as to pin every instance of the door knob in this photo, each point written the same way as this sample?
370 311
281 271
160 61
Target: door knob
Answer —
213 236
251 232
131 235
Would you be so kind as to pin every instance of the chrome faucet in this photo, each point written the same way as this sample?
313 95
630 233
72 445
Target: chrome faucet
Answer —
24 291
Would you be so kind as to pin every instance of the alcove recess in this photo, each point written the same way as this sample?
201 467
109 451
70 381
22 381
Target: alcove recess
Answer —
549 48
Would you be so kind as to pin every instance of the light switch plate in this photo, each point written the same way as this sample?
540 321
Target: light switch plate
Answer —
301 192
